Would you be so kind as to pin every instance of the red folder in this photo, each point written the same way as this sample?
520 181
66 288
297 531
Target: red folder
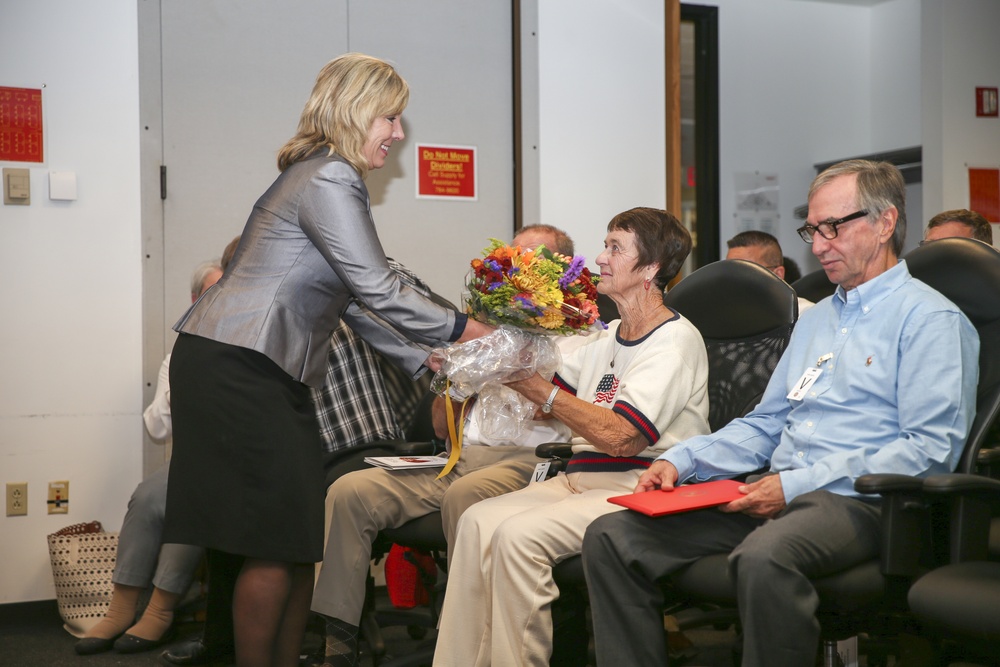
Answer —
682 499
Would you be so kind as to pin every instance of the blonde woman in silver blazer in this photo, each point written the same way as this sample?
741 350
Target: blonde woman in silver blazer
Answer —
246 478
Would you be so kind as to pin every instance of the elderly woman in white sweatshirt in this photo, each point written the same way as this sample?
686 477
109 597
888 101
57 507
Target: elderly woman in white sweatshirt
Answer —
628 394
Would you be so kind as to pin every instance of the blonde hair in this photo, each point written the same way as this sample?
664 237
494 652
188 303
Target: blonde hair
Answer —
351 91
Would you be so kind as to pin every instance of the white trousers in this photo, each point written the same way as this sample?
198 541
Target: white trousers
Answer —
497 608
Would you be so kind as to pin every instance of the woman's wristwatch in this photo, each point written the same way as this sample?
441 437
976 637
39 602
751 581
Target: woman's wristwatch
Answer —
547 407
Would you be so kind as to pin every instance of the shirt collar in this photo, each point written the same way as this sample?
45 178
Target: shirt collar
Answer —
871 292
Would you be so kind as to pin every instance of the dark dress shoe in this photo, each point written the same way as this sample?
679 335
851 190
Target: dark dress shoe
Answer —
131 644
195 652
92 645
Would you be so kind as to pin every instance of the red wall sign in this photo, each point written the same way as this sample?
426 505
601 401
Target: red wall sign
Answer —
21 125
984 192
447 172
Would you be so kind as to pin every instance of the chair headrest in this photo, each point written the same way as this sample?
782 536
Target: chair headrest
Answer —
814 286
734 298
964 270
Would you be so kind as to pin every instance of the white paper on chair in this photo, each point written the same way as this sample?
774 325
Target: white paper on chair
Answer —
406 462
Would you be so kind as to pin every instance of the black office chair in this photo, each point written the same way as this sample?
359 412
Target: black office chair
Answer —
958 604
425 534
745 314
814 286
872 596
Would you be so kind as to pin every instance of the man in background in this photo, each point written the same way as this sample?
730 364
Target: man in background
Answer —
360 504
762 248
959 222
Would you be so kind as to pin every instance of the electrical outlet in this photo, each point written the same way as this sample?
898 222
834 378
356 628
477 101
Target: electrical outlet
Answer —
58 498
17 499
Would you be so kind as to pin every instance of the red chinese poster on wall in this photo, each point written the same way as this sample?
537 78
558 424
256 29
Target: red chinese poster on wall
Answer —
21 125
984 192
446 172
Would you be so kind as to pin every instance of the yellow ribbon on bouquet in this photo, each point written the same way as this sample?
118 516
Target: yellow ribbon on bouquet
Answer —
455 436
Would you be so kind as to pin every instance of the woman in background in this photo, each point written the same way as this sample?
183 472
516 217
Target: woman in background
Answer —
246 478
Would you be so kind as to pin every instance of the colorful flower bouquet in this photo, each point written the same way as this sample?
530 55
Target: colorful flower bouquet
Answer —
525 293
536 290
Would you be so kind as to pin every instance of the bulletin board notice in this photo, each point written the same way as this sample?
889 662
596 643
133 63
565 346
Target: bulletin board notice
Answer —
446 172
21 125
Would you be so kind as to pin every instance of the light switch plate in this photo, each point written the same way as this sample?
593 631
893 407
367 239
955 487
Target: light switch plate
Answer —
62 185
16 186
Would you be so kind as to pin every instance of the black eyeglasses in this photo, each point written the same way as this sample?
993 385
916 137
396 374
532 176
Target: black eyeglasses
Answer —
827 228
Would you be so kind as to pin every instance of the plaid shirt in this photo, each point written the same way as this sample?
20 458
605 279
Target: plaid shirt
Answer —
365 397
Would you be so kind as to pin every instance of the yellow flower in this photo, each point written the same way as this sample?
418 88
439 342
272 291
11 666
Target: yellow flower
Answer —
527 281
551 319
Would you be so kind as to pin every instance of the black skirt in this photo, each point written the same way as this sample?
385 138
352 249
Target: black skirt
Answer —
246 474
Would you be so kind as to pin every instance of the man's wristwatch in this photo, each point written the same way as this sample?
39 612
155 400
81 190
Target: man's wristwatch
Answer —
547 407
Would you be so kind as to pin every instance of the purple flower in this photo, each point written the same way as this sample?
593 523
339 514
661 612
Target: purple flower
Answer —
527 304
573 271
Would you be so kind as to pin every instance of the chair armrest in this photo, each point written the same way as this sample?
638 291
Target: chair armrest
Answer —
422 448
969 501
558 455
554 450
988 462
962 484
906 544
888 483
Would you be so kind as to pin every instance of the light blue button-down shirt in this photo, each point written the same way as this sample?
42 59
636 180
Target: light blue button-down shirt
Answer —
897 394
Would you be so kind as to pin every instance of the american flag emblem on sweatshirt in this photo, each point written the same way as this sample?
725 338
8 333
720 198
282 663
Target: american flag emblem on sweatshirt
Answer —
606 389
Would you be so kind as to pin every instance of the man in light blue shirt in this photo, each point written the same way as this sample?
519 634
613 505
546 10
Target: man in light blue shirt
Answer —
878 378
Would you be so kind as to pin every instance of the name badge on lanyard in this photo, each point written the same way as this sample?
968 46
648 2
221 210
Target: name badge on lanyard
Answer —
804 384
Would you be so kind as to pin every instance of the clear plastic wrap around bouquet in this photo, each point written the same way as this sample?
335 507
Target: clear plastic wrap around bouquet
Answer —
506 355
481 367
530 295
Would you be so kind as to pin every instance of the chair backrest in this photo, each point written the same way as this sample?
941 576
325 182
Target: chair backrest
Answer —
421 428
968 273
606 308
814 286
745 313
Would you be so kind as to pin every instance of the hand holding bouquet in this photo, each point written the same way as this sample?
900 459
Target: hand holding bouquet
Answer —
525 293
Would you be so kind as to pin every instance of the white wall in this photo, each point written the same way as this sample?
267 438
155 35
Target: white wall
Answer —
600 114
70 343
961 52
791 95
895 74
786 104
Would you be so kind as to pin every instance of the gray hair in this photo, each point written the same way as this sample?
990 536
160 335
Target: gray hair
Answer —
880 186
200 273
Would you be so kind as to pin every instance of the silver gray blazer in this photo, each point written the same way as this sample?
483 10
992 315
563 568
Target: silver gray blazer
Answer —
309 254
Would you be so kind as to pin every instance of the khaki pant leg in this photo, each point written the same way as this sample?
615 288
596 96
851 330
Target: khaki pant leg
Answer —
358 506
